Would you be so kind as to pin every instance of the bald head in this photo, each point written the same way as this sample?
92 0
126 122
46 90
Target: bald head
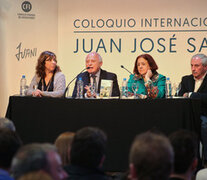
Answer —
93 62
94 55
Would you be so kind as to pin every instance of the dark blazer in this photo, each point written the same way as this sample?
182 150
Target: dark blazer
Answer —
103 75
188 84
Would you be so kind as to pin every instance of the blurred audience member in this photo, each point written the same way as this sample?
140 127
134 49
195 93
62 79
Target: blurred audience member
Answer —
63 145
6 123
87 155
185 146
9 144
36 175
202 174
151 157
34 157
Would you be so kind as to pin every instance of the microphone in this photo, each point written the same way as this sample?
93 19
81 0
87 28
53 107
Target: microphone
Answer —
66 89
125 69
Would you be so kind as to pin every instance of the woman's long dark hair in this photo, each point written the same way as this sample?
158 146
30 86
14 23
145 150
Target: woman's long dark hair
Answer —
40 68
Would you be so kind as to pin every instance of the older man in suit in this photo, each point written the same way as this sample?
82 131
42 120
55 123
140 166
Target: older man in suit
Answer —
195 86
95 74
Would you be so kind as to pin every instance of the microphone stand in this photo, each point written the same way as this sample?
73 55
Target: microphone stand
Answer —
66 89
125 69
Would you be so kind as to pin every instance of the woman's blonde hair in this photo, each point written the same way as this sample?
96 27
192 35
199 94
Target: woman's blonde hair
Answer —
36 175
63 143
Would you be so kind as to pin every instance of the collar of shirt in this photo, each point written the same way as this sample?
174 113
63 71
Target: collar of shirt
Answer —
201 79
97 78
198 82
97 75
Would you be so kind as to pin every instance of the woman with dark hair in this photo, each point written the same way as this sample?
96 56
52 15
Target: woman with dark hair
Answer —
150 84
48 80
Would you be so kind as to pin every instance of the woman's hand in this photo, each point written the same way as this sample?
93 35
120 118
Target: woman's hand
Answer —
142 96
37 93
148 75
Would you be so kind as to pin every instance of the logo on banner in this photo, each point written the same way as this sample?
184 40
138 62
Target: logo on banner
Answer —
24 53
26 7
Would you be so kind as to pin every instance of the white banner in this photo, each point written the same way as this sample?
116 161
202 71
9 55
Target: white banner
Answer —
119 30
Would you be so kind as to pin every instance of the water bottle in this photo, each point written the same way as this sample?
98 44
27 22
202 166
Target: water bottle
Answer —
168 88
23 83
79 88
124 89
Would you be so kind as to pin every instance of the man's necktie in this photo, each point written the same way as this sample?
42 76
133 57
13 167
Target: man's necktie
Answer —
94 82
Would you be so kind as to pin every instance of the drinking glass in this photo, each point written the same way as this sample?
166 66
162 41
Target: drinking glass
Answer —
92 89
135 88
176 88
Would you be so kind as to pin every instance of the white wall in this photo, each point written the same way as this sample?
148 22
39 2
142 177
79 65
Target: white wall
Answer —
40 34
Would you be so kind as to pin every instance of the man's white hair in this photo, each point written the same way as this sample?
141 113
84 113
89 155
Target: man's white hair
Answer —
94 54
203 58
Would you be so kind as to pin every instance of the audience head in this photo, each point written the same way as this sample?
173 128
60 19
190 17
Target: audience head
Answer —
35 157
144 63
93 62
151 157
63 145
6 123
185 145
46 62
9 144
36 175
88 148
199 65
